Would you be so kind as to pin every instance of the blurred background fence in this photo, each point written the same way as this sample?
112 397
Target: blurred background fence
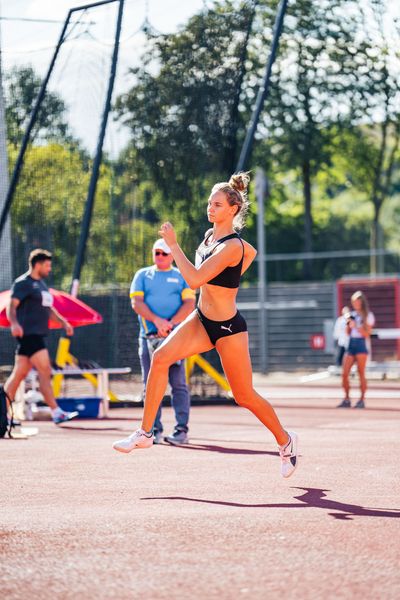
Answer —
295 314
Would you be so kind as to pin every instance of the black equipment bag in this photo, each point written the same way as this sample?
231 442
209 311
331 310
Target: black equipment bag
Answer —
3 412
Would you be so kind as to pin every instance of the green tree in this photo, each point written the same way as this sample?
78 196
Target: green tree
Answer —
22 87
191 98
47 212
139 207
371 144
335 91
309 86
183 109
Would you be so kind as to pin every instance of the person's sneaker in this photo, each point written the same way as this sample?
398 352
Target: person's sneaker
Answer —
178 438
288 454
158 436
62 416
137 439
359 404
344 404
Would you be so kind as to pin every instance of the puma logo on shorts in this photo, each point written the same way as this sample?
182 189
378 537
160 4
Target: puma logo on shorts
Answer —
219 329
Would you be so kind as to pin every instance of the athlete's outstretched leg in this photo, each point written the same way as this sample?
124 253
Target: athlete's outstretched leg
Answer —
235 358
187 339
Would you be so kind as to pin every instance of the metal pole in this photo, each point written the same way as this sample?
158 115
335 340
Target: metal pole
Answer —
261 186
97 161
264 89
25 141
6 270
94 4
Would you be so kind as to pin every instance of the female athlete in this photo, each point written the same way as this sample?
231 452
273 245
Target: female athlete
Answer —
216 323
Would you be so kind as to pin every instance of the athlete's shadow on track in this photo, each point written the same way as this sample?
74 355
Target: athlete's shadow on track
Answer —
86 429
312 498
224 449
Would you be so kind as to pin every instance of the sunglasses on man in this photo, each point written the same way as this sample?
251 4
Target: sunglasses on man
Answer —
161 253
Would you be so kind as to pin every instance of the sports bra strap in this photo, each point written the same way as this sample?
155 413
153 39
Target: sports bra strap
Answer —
230 236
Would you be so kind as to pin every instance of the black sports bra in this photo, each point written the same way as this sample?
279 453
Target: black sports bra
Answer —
230 276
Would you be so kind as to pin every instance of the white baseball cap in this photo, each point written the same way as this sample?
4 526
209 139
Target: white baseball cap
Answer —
161 244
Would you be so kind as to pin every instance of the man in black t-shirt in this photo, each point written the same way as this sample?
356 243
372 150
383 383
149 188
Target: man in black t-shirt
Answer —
29 311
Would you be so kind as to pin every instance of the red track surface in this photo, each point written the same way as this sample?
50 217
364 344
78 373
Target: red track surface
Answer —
213 519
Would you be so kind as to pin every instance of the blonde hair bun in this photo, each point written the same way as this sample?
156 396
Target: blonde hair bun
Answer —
240 181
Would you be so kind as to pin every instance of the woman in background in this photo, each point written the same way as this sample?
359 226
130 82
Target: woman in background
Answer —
360 322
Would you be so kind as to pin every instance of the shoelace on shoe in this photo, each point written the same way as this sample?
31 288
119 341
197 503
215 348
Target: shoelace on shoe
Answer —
136 433
282 451
140 432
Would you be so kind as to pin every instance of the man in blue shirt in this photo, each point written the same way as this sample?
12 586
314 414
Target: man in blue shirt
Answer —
162 299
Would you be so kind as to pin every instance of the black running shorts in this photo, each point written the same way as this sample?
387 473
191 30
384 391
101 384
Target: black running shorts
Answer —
219 329
28 345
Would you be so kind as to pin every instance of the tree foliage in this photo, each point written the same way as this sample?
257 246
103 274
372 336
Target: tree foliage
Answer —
183 107
371 143
22 87
328 140
188 112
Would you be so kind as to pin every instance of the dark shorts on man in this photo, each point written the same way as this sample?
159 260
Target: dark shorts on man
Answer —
28 345
219 329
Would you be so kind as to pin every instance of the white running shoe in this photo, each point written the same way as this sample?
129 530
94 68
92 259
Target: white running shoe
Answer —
137 439
288 454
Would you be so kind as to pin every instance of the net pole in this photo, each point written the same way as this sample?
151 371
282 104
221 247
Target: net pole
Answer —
32 120
261 188
97 160
264 89
5 242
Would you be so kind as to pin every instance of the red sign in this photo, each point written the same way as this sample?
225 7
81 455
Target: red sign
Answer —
317 341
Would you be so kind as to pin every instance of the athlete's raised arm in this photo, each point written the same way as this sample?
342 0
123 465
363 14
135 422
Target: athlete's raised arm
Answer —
226 255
